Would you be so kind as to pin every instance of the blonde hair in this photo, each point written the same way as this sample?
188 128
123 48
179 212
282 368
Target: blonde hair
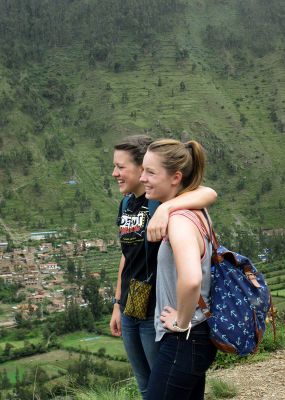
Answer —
188 158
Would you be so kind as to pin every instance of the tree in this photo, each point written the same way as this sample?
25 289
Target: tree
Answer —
243 119
53 149
182 86
88 320
18 380
117 67
125 97
4 380
37 188
8 349
18 318
241 183
106 183
182 54
10 246
97 215
71 270
101 352
266 185
103 274
81 369
91 295
73 317
79 274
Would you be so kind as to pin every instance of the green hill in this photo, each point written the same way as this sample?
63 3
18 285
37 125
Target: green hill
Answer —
76 76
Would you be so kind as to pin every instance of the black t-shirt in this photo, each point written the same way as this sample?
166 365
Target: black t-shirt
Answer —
132 229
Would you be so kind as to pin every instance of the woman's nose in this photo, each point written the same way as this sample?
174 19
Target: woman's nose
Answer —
142 178
115 172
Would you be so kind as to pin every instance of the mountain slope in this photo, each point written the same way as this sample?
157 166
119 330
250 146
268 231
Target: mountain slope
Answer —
206 71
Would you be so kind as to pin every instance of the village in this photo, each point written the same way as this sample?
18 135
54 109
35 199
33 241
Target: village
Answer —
40 274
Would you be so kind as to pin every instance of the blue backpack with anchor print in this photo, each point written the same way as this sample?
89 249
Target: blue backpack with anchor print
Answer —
240 301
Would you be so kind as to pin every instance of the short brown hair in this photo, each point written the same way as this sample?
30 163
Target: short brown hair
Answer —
136 145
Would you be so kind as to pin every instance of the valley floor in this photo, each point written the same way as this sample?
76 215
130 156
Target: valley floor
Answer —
260 381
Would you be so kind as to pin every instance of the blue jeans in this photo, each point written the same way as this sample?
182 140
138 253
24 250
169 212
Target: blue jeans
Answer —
180 368
139 341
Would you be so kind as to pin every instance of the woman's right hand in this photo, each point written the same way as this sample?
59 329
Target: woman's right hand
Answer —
115 323
157 226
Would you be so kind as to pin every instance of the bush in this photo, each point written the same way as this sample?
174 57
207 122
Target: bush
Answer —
222 390
268 343
128 390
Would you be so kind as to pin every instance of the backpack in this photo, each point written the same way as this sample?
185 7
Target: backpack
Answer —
240 301
152 205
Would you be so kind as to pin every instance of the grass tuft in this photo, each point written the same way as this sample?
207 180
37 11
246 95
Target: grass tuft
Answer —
221 389
127 392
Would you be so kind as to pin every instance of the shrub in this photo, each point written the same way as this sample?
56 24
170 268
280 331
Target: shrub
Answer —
268 343
128 390
222 390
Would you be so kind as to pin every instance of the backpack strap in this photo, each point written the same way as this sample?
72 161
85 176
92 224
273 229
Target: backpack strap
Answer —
192 216
201 302
213 236
215 244
125 202
204 232
152 206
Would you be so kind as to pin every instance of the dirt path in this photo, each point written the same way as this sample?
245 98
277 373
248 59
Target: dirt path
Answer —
261 381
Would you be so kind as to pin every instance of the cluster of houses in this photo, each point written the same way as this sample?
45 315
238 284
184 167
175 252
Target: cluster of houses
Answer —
42 280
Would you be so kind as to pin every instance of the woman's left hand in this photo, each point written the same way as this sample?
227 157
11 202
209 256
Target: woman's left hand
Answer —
168 316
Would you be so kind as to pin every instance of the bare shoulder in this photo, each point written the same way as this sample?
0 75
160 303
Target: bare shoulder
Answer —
180 227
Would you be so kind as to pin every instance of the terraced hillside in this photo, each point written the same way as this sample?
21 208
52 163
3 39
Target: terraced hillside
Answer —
275 277
206 71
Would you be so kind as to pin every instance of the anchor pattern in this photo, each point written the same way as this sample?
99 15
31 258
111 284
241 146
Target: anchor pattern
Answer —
238 308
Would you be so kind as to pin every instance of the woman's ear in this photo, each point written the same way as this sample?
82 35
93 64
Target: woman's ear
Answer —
176 178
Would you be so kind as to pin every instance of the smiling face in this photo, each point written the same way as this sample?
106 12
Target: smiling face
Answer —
127 173
159 184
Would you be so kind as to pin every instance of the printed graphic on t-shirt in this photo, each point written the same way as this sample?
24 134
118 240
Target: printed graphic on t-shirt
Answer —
132 227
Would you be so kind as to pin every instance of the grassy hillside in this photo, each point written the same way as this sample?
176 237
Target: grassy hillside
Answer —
211 74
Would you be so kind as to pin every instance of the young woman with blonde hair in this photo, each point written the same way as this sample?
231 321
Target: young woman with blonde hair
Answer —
183 273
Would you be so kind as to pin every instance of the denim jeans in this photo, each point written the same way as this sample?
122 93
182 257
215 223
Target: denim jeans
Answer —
180 368
139 341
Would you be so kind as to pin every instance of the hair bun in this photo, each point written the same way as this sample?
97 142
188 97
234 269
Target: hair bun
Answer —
188 145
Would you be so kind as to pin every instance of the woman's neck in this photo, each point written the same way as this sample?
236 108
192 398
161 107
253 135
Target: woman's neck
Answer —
139 191
170 196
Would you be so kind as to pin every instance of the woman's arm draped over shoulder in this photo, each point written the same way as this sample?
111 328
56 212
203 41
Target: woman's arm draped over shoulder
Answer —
195 199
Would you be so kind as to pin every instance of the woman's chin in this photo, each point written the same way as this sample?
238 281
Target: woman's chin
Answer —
150 196
123 191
